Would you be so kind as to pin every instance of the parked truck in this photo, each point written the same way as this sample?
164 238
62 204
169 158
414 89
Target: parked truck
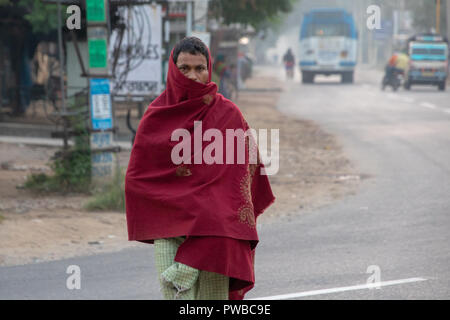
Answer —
428 61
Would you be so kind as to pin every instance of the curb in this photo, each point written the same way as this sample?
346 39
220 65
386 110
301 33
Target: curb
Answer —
43 142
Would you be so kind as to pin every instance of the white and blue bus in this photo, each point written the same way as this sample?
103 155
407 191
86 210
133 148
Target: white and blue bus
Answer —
328 44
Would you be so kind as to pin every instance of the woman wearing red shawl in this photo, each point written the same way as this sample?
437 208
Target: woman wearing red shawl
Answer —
201 217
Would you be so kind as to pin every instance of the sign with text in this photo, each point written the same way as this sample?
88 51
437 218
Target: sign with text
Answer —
103 164
138 70
100 98
97 49
95 11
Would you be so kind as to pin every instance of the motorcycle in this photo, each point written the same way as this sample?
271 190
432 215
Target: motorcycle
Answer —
289 66
393 78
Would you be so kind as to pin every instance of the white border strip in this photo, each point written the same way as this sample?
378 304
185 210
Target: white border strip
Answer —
341 289
428 105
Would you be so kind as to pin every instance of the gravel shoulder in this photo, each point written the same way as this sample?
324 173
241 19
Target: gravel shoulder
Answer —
313 172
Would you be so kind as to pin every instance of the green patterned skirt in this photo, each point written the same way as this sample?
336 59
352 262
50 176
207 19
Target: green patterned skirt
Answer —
179 281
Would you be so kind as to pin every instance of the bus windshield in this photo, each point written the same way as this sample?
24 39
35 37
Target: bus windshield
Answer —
437 51
328 30
420 51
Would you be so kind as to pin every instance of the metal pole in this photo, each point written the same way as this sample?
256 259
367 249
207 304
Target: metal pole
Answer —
448 28
360 16
61 73
1 74
188 19
61 58
167 43
438 16
448 19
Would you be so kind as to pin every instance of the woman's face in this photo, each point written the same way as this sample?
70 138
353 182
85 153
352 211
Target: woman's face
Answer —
193 66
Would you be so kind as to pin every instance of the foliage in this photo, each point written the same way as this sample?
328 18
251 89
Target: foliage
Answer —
425 15
43 17
71 168
249 12
71 173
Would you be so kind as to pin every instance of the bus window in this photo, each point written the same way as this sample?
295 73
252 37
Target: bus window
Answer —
328 30
332 15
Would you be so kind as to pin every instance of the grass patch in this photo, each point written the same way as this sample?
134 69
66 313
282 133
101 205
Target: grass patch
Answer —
111 197
71 173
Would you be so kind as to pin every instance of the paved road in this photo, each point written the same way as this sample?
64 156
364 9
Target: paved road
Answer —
398 222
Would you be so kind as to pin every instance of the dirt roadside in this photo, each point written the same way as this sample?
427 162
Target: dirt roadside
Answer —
313 172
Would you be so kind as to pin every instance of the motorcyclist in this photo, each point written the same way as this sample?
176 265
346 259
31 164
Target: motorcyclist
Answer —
396 64
289 63
402 62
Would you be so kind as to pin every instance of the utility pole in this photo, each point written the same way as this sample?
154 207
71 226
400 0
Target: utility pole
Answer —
438 16
200 21
63 113
188 18
103 152
448 18
362 32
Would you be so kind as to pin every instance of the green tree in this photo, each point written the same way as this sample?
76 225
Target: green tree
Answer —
43 17
425 15
256 13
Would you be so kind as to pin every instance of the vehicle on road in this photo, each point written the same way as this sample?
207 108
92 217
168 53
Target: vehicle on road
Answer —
328 44
428 61
289 63
393 79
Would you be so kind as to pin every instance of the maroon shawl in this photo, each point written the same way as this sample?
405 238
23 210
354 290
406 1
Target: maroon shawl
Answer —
214 205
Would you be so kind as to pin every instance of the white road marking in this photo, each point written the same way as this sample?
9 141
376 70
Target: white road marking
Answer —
391 96
428 105
397 97
407 99
402 99
341 289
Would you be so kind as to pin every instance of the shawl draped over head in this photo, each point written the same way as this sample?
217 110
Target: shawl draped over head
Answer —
214 205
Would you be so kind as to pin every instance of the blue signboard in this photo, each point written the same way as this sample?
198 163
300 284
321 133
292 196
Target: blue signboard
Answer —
101 111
